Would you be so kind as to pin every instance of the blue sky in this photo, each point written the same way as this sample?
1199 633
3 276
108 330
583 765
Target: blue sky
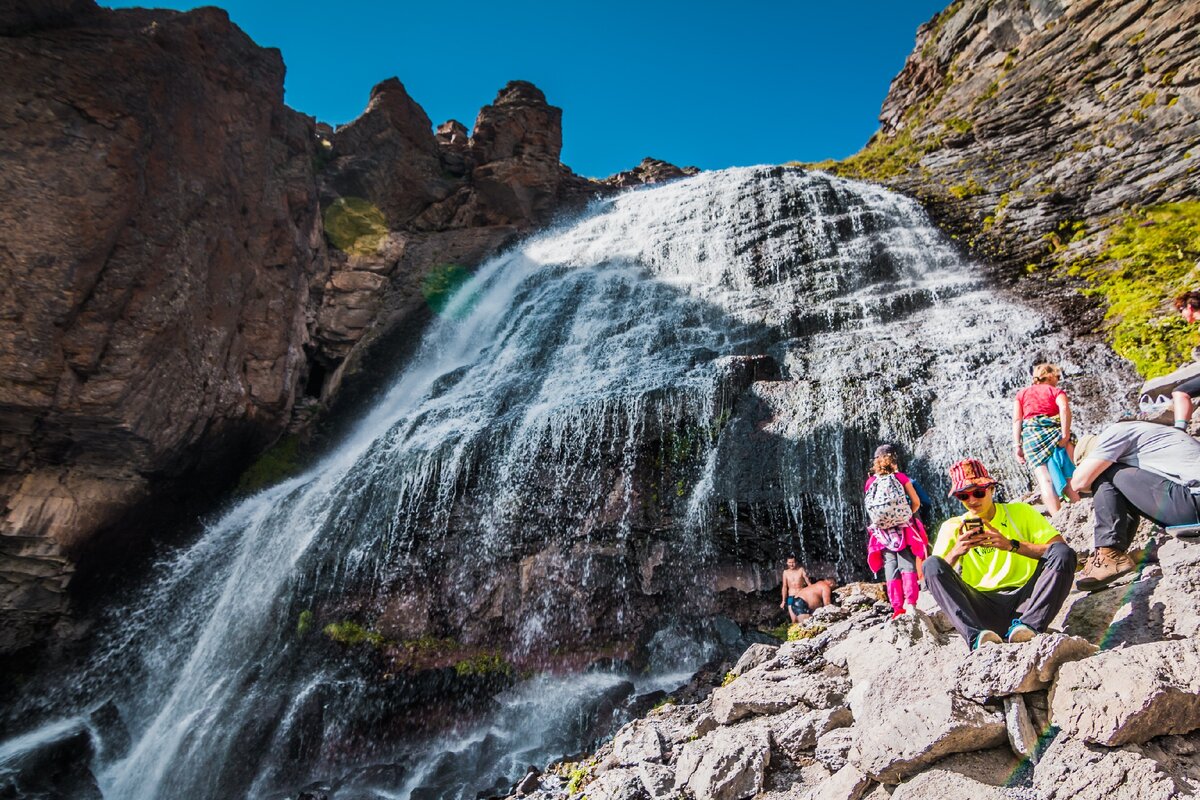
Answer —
714 84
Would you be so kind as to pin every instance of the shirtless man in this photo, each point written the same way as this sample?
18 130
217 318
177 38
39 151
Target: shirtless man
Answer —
801 596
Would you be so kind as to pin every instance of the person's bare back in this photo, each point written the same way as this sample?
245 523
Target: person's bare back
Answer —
795 581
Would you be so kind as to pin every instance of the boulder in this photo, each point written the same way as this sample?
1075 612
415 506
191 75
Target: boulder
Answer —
834 746
1130 695
638 741
761 692
657 780
755 654
906 730
727 764
1008 669
945 785
848 783
617 784
803 733
1074 770
901 725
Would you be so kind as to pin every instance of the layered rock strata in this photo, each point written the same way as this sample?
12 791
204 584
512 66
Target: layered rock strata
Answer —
162 236
1012 118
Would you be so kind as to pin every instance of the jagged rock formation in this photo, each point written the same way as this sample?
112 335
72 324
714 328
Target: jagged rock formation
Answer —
861 706
437 205
650 170
162 233
1034 130
192 267
1011 118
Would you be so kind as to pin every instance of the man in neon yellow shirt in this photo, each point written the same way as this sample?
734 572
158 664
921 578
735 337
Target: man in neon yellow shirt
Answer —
1016 570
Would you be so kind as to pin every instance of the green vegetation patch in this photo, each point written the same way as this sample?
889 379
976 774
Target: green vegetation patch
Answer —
352 634
304 623
355 225
483 664
1150 257
962 191
798 632
280 461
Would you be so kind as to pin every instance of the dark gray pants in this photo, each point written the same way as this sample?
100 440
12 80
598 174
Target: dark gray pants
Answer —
974 610
1121 494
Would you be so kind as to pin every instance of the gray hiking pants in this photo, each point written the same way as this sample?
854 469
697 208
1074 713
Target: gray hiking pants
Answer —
973 610
1121 494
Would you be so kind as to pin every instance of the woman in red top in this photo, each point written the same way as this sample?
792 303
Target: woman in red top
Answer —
1041 424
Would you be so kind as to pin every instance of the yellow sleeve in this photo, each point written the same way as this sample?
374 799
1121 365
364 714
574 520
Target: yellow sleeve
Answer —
1030 525
947 534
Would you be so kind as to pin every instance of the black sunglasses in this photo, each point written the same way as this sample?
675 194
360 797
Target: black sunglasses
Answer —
978 494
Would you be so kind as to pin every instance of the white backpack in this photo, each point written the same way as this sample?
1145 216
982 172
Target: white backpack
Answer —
887 502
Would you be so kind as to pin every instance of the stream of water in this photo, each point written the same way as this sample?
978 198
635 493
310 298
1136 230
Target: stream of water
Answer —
574 407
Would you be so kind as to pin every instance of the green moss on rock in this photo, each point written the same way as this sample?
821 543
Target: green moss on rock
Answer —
1149 257
352 634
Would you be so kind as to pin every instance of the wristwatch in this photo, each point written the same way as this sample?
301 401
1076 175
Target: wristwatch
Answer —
1014 545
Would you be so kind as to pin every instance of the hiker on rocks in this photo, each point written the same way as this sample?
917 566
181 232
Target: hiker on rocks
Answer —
1134 470
1188 305
1016 569
1042 435
896 539
925 507
802 596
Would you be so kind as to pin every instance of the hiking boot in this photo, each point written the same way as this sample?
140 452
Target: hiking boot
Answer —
1019 632
1105 566
986 637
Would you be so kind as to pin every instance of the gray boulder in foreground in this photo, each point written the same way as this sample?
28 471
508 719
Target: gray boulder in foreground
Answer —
1130 695
1008 669
727 764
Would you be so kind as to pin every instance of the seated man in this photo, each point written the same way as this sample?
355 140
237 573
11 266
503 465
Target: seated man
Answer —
802 596
1134 469
1016 568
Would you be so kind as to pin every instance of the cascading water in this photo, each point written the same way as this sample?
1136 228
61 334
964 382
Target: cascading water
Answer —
685 381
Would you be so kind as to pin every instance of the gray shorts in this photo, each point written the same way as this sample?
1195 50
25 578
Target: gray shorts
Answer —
895 563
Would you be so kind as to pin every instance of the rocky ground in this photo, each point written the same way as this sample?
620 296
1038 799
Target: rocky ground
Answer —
1105 706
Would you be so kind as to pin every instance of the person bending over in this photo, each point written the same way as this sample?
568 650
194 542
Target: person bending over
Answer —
802 596
1016 569
1134 469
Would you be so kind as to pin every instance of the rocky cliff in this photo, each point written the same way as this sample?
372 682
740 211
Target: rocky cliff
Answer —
161 236
1057 139
855 706
190 267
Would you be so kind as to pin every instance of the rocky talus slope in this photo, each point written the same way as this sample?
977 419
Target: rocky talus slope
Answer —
1104 707
1043 134
190 268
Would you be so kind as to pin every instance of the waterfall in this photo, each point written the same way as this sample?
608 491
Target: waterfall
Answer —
683 381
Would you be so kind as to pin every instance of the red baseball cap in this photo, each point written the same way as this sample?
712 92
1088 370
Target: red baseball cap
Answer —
969 473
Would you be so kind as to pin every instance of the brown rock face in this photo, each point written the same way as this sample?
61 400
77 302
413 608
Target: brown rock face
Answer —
1014 122
650 170
161 235
443 203
167 294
